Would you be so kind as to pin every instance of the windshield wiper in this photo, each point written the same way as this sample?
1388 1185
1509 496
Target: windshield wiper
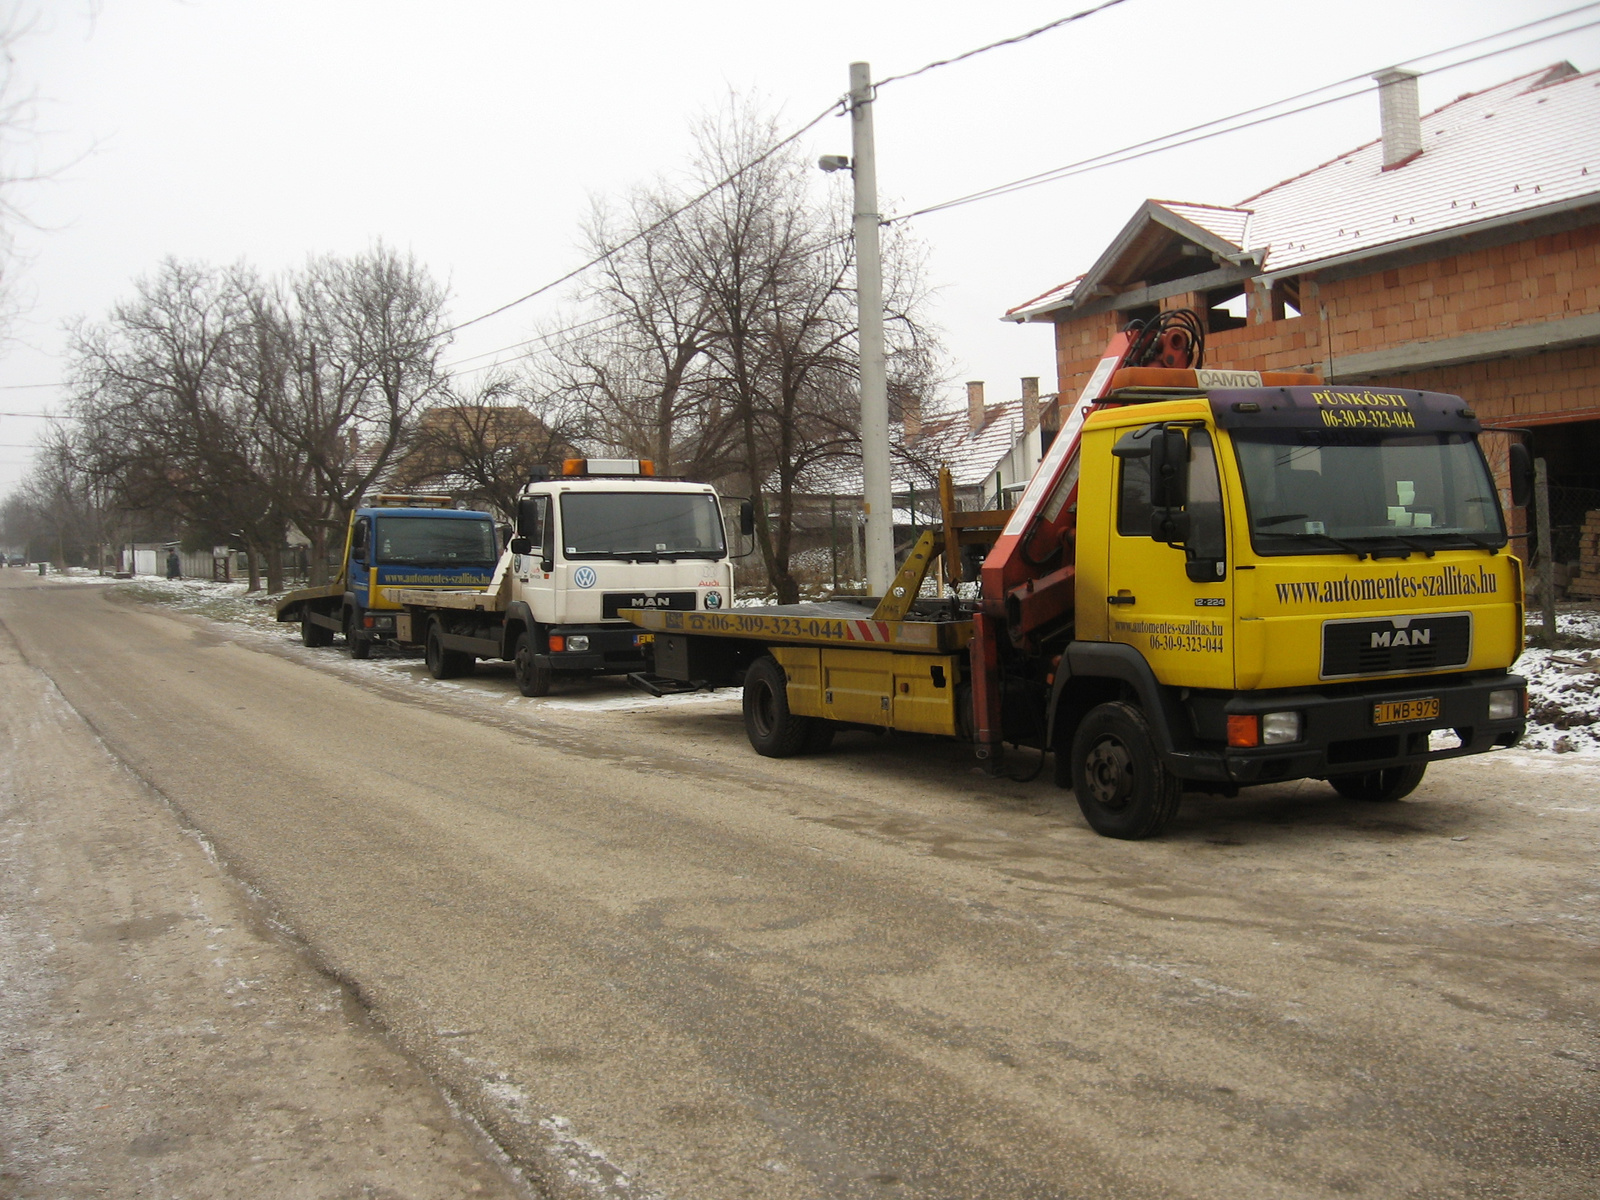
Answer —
1351 547
1426 549
1280 519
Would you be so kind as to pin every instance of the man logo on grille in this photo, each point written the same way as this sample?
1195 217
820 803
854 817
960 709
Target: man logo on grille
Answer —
1401 637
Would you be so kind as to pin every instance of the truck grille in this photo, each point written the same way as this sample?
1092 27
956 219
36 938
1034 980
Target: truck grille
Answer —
1395 645
613 602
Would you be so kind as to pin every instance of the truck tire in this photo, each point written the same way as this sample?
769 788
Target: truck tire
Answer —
532 670
1382 786
313 635
355 645
1123 788
442 663
772 729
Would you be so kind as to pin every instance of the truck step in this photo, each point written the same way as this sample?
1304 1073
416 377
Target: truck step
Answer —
658 685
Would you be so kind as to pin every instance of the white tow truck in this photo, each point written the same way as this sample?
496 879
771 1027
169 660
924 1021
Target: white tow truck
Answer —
604 536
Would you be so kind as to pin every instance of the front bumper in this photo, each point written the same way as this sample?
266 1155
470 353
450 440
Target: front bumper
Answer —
612 649
1339 735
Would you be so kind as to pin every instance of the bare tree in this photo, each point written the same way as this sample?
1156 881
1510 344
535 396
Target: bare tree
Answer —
728 345
363 337
162 423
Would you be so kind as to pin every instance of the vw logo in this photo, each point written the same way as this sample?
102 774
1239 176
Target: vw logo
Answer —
584 577
713 599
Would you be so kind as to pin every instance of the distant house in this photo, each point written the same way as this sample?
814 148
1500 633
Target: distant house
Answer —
1458 252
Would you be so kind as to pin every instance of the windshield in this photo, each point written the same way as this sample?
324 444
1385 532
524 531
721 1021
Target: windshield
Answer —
641 525
436 541
1424 491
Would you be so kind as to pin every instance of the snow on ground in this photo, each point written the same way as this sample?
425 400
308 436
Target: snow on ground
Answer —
1564 684
1563 681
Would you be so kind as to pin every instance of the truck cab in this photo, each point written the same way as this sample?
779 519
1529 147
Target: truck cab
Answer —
393 542
408 545
1289 582
596 540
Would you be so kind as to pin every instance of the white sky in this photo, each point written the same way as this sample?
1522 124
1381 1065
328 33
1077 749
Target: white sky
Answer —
475 134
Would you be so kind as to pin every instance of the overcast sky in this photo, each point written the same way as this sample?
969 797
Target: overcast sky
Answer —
476 133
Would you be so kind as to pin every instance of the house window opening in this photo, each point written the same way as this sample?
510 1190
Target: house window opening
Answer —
1225 308
1285 299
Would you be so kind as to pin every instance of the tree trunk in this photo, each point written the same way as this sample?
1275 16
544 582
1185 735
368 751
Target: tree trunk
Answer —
275 565
252 566
317 557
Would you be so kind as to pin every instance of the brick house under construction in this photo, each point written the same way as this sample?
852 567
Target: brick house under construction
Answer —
1459 252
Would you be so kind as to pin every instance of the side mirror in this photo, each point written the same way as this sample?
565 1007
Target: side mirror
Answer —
1521 475
1169 468
527 517
747 518
521 545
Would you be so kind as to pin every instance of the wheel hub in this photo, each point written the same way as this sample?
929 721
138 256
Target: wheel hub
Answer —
1109 768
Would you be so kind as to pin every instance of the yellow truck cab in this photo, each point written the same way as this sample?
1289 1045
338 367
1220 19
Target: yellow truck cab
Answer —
1293 582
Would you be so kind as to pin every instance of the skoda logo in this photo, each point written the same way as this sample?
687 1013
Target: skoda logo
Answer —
584 577
713 599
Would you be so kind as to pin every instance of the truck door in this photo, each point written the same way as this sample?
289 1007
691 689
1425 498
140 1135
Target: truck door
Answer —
535 581
360 553
1172 602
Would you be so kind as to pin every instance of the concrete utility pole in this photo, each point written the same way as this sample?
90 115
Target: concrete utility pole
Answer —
869 305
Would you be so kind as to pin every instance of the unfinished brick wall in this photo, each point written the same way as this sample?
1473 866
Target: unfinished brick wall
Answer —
1497 287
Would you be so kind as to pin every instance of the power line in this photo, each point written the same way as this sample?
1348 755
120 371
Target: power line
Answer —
17 387
1010 41
535 341
649 229
836 106
1180 138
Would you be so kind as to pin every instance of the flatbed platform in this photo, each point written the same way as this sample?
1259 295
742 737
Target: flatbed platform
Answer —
468 601
847 622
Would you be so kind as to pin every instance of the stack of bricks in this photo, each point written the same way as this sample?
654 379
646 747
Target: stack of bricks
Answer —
1586 585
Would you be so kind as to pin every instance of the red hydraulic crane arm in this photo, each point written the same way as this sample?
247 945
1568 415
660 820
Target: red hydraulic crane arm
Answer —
1027 576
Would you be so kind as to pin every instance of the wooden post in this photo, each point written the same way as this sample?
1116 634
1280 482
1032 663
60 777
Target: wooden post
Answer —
1547 566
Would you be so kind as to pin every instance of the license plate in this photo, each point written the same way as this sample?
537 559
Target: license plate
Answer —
1394 712
643 639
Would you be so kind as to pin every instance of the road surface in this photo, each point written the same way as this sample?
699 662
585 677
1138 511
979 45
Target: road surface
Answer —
651 963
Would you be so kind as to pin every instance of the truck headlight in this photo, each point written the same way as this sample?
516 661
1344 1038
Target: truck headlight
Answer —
1505 704
577 642
1280 727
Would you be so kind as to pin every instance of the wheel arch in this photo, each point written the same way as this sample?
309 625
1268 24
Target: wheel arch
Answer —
1093 673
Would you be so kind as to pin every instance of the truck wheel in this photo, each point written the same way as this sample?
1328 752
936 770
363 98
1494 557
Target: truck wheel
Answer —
1383 786
442 663
355 645
1122 786
772 729
532 670
315 636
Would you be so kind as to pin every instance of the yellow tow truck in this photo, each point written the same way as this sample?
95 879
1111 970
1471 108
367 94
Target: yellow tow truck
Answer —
1214 579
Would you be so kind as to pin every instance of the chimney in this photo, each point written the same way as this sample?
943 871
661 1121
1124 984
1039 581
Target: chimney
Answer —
1400 116
1030 403
975 405
911 418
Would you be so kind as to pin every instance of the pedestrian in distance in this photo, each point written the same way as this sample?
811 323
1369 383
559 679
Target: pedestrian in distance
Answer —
174 565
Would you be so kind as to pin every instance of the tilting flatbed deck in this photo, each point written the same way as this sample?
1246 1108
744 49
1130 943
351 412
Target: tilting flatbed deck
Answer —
825 623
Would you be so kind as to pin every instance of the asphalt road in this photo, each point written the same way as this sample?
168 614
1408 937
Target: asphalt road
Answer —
651 963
